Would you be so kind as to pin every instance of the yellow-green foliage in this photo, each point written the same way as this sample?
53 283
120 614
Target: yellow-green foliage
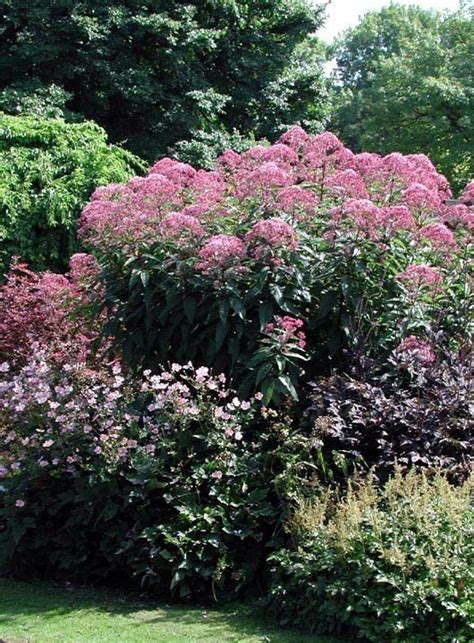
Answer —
391 564
48 170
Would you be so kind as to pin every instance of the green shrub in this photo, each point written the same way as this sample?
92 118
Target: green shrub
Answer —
48 170
171 482
389 565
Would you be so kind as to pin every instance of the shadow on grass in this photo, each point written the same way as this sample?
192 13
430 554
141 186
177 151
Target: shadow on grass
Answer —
42 611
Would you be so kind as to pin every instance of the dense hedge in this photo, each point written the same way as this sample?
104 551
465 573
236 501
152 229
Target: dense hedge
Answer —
48 170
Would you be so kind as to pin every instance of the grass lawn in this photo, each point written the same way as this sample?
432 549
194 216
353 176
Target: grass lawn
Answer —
40 612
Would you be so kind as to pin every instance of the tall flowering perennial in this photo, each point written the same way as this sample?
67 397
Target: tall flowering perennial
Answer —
197 263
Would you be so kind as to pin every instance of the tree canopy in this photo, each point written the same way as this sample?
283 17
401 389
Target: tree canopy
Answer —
406 82
155 72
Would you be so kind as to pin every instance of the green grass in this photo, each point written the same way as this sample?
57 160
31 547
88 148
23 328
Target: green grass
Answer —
42 612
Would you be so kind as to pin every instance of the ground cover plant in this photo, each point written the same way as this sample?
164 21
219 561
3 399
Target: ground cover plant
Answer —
235 339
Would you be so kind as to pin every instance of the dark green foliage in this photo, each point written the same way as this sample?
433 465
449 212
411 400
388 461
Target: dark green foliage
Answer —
389 566
407 84
170 482
161 522
155 72
48 170
166 311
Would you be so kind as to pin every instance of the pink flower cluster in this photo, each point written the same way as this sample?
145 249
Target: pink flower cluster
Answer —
220 251
416 276
286 329
312 181
416 349
271 233
178 225
439 235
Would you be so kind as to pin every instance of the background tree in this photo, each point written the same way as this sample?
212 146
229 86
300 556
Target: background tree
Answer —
48 170
155 72
406 82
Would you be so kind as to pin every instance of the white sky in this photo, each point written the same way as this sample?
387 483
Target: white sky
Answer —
346 13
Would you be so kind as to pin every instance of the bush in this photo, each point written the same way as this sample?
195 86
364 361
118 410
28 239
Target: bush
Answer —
48 170
376 420
170 482
283 257
387 565
47 312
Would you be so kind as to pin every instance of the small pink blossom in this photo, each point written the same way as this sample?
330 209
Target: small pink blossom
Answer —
177 224
418 275
421 351
273 232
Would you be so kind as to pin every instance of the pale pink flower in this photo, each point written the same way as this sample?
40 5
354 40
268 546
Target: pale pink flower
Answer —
177 224
273 232
417 275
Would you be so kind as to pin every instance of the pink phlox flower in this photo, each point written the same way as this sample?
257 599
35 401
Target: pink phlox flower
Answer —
177 224
398 217
295 137
347 184
283 155
180 173
295 199
459 215
367 165
365 214
287 328
208 187
229 160
438 234
468 194
420 197
418 275
263 178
